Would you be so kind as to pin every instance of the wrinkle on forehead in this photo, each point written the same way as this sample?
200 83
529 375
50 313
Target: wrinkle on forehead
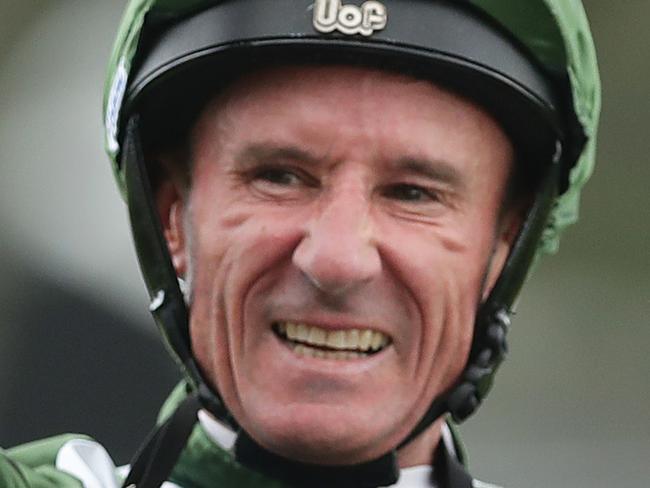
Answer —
353 100
278 83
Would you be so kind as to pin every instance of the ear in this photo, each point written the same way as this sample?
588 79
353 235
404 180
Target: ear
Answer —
171 205
507 231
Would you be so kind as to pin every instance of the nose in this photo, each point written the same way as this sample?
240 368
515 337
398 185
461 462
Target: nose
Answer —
338 252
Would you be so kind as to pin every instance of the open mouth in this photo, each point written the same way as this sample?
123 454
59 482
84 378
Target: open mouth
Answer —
312 341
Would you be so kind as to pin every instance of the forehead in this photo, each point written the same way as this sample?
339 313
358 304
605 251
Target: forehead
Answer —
369 108
357 87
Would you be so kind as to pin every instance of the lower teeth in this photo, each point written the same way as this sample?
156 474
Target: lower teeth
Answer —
320 353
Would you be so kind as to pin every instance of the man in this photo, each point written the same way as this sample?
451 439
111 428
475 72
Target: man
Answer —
349 197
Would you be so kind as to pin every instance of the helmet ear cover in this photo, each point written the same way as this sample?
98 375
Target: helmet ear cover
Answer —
200 54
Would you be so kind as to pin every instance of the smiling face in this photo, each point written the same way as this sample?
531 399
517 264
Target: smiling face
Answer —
342 227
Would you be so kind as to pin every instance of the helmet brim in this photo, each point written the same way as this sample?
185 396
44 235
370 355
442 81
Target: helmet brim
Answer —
450 44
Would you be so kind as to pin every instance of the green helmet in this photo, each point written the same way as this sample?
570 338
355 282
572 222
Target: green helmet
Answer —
531 64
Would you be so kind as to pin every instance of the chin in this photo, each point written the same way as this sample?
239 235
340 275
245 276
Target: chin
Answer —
321 435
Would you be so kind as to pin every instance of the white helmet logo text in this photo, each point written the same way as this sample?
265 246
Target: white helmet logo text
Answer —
330 15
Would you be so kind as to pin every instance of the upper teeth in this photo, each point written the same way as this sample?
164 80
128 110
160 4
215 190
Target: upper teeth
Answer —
350 339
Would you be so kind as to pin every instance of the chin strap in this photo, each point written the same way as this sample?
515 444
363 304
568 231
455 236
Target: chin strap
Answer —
167 302
155 460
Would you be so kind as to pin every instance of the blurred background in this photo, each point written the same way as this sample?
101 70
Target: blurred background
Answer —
78 352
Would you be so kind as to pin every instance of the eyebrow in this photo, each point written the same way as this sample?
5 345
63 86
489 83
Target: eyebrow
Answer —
254 153
431 168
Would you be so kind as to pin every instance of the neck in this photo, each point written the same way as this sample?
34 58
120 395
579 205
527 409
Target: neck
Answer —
419 451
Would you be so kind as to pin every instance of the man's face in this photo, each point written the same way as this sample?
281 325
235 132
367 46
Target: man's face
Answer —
341 229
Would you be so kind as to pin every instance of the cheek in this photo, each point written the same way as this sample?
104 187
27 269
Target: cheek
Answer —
213 252
228 257
444 271
438 263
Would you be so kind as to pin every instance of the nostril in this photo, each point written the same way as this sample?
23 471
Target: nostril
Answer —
329 287
338 263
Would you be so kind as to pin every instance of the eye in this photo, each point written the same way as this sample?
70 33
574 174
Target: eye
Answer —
410 193
277 176
280 181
